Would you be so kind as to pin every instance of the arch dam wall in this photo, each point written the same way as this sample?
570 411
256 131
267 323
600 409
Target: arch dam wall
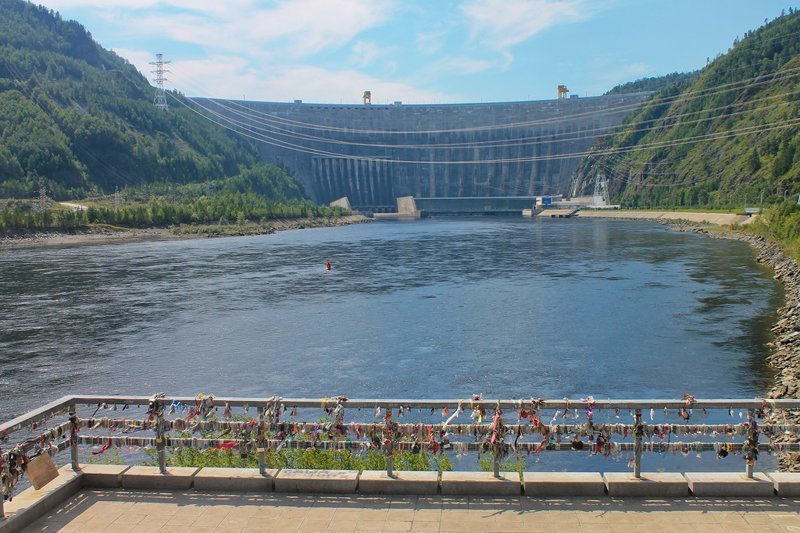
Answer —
558 127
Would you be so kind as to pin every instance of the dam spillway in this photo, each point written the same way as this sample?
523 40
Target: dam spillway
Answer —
375 153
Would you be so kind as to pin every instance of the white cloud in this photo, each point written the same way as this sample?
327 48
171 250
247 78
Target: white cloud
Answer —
621 73
505 23
430 43
233 77
138 58
297 28
364 53
463 65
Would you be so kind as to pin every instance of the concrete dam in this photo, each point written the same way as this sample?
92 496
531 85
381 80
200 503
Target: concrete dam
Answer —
374 153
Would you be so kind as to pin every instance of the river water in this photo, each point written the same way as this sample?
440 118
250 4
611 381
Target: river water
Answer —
511 308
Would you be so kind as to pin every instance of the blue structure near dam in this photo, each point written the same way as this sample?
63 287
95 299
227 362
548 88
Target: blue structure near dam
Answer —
375 153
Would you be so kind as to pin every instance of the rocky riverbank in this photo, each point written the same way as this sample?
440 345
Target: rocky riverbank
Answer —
101 234
785 348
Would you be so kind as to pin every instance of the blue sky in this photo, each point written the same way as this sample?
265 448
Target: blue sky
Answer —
416 51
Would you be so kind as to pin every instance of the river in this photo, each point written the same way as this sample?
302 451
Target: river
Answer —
442 308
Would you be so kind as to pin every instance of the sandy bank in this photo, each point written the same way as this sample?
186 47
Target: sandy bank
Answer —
105 235
722 219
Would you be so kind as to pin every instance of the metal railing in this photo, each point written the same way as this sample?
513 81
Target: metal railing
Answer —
541 425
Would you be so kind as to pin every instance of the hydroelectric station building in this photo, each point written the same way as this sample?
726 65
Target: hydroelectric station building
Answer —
375 153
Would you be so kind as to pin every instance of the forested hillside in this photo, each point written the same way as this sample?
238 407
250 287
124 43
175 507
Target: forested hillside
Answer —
81 119
726 138
655 83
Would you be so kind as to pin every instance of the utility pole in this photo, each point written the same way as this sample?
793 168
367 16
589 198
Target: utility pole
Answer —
116 199
160 99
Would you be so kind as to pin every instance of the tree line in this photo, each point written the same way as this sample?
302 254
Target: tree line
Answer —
228 208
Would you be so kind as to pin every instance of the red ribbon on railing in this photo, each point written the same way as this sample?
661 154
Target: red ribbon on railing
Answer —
105 447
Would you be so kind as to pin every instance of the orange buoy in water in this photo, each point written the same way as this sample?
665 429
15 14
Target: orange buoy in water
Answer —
328 265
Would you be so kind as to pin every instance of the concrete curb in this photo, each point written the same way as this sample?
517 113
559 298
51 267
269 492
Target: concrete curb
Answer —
151 478
404 482
722 484
544 484
481 484
234 480
786 483
326 481
650 485
30 505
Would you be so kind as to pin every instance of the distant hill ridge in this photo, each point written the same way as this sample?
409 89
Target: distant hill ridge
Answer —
742 104
81 118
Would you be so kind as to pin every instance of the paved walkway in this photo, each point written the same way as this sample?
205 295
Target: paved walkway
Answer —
120 511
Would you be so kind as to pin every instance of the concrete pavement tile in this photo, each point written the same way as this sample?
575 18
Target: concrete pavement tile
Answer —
757 518
397 526
129 518
718 528
370 525
626 528
788 519
591 528
181 520
313 525
425 526
427 515
206 521
400 515
453 522
102 519
342 525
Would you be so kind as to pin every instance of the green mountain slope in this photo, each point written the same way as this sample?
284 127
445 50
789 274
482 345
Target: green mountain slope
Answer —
81 118
656 83
728 137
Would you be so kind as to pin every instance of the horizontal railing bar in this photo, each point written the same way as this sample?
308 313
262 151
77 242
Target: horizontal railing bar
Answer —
756 403
272 444
55 432
36 415
181 424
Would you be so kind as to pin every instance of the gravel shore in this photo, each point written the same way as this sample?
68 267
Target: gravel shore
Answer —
105 235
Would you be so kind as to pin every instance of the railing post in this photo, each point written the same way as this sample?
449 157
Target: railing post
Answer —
751 445
73 439
262 454
2 500
638 434
388 443
161 446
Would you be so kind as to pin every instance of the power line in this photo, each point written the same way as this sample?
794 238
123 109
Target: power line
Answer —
249 133
512 143
683 97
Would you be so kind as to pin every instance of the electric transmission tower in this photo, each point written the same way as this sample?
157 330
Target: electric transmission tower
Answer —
160 99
